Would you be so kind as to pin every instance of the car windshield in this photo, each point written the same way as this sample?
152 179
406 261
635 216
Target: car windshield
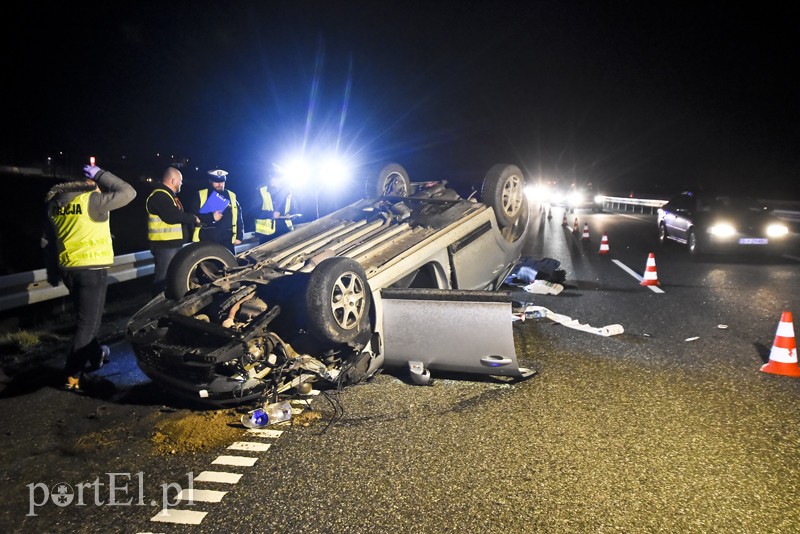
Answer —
729 203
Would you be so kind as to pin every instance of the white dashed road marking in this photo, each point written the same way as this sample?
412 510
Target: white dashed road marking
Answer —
249 446
218 476
191 517
264 432
200 495
244 461
185 517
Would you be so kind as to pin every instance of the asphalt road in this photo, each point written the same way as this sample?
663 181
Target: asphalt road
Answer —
669 427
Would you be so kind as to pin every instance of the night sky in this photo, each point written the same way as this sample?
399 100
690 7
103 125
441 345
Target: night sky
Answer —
629 95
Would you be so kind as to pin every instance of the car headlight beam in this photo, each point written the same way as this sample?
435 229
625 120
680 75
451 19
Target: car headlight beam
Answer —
777 230
722 230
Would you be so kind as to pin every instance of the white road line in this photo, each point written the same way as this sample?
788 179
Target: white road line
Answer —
242 461
795 258
636 275
249 446
264 432
218 476
636 217
201 495
184 517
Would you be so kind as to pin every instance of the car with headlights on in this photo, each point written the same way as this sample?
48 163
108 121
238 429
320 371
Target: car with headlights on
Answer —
720 223
407 276
583 197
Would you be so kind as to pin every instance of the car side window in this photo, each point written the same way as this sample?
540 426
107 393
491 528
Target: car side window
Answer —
682 202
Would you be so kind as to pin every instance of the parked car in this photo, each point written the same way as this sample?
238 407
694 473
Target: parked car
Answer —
378 282
711 223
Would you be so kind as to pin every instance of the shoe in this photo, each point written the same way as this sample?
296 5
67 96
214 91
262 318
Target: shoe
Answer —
73 385
105 352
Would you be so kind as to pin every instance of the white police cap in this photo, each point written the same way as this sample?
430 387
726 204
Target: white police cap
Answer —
217 175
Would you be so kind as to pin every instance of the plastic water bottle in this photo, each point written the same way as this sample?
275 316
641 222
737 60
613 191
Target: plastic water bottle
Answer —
268 415
535 313
278 411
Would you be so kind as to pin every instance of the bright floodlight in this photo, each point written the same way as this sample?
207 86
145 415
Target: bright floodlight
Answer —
334 171
575 198
298 173
530 192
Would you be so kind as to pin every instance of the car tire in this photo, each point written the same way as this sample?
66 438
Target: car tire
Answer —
195 265
338 301
504 190
392 180
693 244
662 233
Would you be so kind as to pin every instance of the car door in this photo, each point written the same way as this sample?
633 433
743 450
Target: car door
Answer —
678 216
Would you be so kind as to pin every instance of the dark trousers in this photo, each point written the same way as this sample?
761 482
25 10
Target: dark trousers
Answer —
162 256
87 289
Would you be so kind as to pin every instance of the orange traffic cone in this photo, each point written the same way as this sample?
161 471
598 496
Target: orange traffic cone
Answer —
585 231
564 221
783 356
650 276
604 245
575 226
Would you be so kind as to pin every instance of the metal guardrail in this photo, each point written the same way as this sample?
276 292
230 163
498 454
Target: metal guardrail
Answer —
622 204
787 210
31 287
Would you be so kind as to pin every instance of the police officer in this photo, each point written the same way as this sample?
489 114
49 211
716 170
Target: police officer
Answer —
81 236
278 208
226 230
165 224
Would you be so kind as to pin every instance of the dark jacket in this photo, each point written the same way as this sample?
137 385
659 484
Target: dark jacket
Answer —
161 205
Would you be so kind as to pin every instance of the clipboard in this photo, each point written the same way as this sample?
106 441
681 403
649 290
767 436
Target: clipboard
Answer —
215 202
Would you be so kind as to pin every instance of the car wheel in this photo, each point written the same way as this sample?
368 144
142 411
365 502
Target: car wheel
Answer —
662 233
693 243
195 265
338 301
392 180
504 190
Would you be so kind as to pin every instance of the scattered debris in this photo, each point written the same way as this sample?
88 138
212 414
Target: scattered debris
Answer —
605 331
528 269
722 326
695 338
543 287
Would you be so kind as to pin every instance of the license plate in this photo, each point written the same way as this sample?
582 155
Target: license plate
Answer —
753 241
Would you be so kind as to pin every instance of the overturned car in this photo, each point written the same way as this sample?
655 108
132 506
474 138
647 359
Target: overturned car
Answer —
405 278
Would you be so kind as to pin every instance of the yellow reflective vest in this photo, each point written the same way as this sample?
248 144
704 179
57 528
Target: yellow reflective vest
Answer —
234 213
267 226
82 242
158 230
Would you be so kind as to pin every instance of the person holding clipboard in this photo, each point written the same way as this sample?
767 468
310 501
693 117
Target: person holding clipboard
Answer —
219 213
